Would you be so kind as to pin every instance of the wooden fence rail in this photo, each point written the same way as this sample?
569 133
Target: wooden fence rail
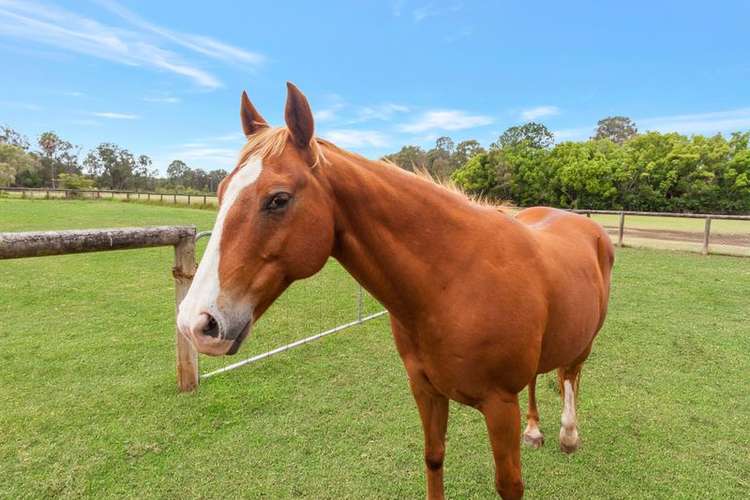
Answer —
182 238
706 217
97 193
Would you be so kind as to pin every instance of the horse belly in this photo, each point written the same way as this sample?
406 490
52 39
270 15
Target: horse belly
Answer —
573 323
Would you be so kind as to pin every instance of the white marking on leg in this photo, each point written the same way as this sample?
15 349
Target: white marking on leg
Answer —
532 430
568 431
204 291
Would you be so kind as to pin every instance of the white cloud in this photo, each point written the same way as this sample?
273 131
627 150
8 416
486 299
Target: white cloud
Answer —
573 134
202 44
21 105
458 35
198 155
325 114
115 116
697 123
430 10
63 29
348 138
532 114
346 114
163 99
86 123
383 112
445 120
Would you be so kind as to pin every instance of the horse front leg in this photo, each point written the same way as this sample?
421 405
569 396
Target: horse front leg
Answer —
433 411
503 419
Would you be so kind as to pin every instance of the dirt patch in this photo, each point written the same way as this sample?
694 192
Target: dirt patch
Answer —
740 240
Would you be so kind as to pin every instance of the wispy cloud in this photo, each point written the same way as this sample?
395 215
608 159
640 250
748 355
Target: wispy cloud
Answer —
21 105
459 35
532 114
86 122
163 99
115 116
431 10
445 120
202 44
382 112
145 47
349 138
573 134
343 113
697 123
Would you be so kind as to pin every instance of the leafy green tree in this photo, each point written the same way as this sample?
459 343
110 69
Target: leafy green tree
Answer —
617 129
115 167
56 156
75 181
533 134
412 158
14 161
10 136
466 150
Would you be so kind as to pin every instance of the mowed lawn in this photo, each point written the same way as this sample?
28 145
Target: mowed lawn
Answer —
89 406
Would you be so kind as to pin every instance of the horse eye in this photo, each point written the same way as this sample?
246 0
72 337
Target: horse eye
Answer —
277 201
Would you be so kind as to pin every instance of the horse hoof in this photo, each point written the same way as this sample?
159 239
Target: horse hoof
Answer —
570 447
533 440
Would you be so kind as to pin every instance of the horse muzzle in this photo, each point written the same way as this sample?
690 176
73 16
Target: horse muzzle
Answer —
213 334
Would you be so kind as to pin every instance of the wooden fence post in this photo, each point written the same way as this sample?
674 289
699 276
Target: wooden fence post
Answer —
204 200
621 230
187 357
188 200
175 198
706 236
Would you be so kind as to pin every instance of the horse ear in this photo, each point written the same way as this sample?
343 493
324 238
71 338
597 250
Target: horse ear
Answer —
298 116
252 121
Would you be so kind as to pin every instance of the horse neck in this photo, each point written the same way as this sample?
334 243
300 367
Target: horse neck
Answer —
396 233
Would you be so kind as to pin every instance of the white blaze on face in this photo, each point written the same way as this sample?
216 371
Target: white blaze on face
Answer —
204 291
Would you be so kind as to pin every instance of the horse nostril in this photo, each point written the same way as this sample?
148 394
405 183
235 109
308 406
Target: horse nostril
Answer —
212 328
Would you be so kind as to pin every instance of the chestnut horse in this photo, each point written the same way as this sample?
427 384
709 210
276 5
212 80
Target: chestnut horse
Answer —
479 302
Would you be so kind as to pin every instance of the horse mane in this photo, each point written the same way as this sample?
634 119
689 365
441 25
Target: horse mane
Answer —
270 141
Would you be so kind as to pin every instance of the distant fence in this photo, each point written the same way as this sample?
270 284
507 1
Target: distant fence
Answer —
706 217
53 193
182 238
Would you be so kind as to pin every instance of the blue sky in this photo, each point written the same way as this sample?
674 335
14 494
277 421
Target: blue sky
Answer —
164 78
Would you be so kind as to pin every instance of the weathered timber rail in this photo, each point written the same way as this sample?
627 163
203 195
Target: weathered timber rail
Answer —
52 193
706 217
182 238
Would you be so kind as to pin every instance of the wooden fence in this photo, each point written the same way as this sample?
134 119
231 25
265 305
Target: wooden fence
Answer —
182 238
706 217
49 193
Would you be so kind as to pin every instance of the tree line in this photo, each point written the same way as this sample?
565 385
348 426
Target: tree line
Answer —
56 163
617 168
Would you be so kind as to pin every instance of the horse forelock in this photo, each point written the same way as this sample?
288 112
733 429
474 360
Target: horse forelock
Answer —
269 142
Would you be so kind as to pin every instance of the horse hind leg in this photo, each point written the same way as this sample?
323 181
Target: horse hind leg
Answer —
568 379
532 436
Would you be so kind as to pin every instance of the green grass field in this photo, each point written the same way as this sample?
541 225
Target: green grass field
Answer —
89 406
